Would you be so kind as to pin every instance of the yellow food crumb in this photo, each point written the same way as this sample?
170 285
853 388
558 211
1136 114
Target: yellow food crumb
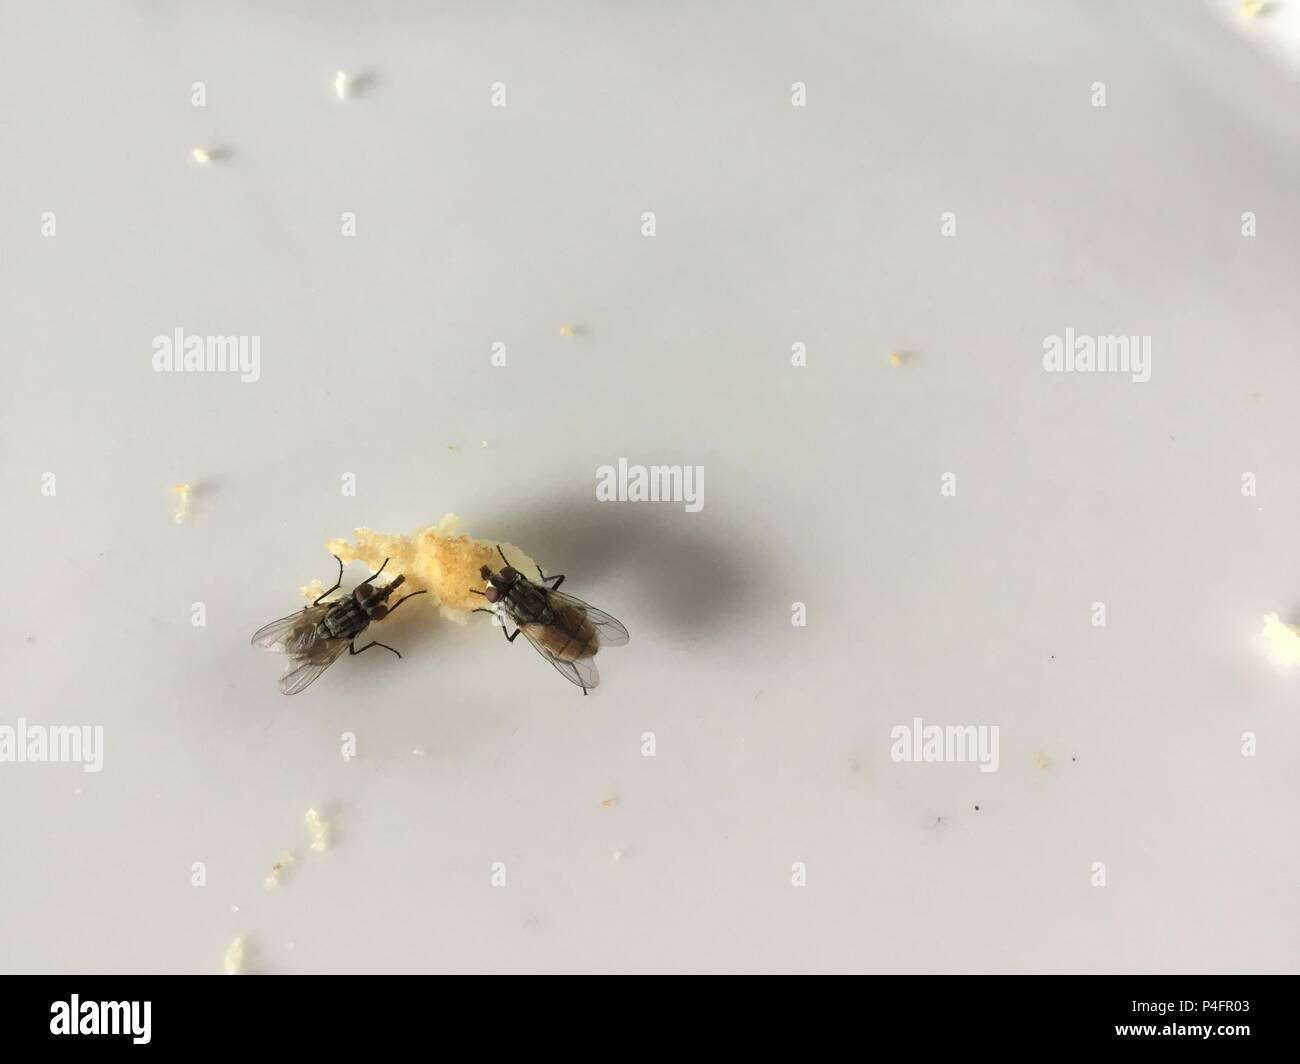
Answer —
895 359
1251 8
316 829
1282 640
566 331
440 559
202 156
609 803
1042 761
182 502
234 959
342 85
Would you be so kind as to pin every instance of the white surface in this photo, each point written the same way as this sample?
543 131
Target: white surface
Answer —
776 225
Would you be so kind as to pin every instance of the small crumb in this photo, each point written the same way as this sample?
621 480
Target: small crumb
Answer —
483 444
183 492
316 829
609 803
895 359
278 869
418 752
202 156
451 447
342 85
1251 8
1283 641
1042 760
235 955
312 591
566 331
234 908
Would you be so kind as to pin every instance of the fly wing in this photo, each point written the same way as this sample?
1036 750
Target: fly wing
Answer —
581 671
609 631
302 671
290 632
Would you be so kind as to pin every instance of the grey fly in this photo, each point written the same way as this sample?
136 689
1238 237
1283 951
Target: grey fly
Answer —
566 631
317 635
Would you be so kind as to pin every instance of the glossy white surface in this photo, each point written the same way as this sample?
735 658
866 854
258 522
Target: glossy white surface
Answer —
776 225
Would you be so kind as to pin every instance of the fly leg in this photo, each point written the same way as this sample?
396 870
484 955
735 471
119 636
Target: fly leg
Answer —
371 576
558 579
508 639
403 599
337 583
352 647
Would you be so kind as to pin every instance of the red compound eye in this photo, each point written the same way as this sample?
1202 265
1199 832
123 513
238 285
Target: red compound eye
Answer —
492 594
508 574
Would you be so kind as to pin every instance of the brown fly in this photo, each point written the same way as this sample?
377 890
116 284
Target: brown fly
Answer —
317 635
566 631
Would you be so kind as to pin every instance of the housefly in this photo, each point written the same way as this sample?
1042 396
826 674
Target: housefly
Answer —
317 635
564 630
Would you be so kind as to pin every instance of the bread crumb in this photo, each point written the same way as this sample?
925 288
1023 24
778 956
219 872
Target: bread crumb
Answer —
202 156
316 829
440 559
234 959
342 85
278 869
1251 8
182 502
1042 760
609 803
566 331
1282 641
895 359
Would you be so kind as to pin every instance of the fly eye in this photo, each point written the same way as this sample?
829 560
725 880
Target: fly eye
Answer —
508 574
378 613
492 594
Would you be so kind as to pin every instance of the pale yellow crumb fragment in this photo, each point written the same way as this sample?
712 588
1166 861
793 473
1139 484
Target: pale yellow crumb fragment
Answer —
1042 761
566 331
277 870
233 963
201 156
1251 8
440 559
1282 641
609 803
895 359
316 831
182 492
342 85
312 590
